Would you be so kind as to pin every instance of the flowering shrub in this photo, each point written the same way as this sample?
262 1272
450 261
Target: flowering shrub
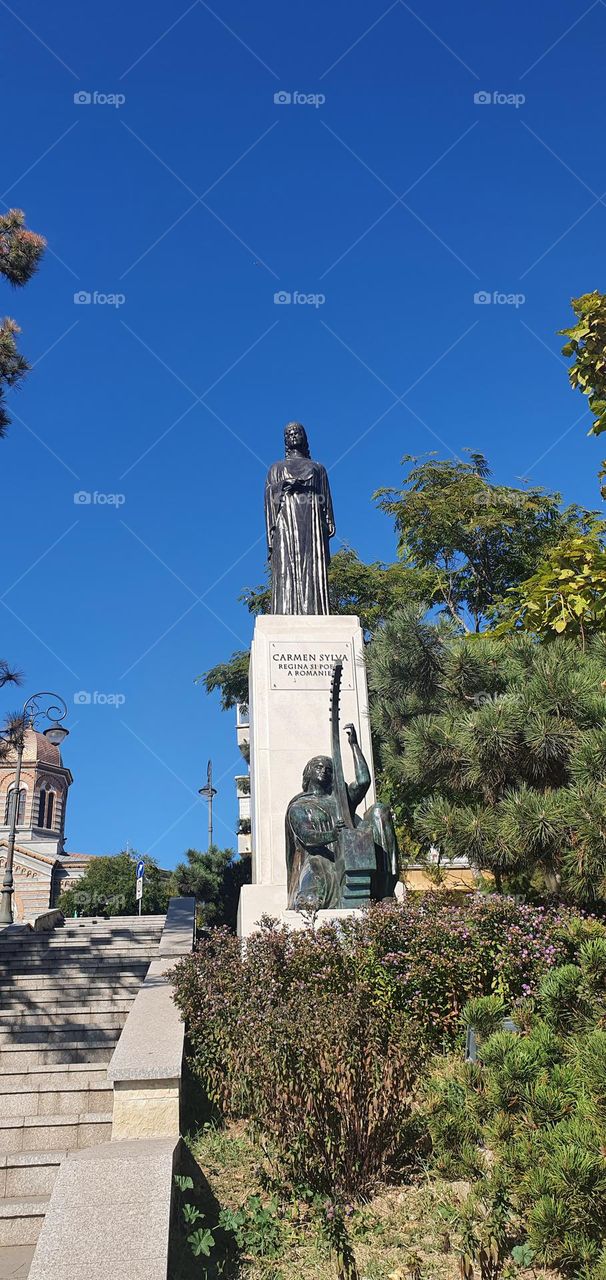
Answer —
434 955
288 1035
318 1037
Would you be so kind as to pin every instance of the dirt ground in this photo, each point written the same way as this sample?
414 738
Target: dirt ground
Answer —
400 1234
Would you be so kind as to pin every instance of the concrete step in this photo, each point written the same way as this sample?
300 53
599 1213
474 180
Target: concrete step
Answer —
46 990
66 973
111 922
48 982
28 938
21 1220
79 951
89 959
19 1057
65 1100
28 1173
104 941
55 1076
37 942
105 931
15 1261
103 945
90 1002
40 1037
50 1001
80 929
54 1133
105 1013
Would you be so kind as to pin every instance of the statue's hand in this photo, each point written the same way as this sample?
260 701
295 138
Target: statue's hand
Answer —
352 736
336 830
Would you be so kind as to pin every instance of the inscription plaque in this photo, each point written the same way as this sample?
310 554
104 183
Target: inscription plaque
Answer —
298 664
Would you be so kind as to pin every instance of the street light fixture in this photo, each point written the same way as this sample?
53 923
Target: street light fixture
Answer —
33 709
56 733
208 792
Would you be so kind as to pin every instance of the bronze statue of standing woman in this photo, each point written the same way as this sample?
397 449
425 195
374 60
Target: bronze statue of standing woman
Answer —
300 521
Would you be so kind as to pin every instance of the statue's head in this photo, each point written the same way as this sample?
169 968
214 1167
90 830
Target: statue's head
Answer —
318 772
295 438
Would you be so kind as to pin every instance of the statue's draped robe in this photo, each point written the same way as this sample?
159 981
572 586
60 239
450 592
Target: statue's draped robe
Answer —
312 868
313 875
299 524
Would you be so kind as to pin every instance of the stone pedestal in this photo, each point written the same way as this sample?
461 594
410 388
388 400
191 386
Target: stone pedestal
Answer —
289 687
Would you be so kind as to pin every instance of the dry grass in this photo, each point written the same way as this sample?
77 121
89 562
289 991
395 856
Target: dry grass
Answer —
399 1235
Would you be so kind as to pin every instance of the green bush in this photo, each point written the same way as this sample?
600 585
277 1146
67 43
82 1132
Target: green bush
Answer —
108 888
318 1037
527 1122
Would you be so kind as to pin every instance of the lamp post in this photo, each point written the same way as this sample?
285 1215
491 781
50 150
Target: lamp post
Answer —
55 711
207 793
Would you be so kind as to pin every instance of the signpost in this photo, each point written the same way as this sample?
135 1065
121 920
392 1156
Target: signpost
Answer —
140 877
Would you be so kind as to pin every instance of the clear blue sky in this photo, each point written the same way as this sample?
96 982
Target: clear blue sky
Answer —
197 198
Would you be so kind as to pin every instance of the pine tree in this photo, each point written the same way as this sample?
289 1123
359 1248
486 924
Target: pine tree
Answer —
495 749
9 675
526 1123
20 254
214 879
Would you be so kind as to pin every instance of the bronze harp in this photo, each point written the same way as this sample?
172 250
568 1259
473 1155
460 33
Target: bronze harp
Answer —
355 849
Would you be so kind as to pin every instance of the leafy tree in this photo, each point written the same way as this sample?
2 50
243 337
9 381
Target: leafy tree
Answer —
472 539
587 343
108 888
214 879
567 594
20 254
495 750
230 677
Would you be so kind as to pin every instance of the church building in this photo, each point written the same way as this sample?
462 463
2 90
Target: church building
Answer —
41 868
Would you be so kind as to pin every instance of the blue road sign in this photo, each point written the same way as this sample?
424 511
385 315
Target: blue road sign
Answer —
140 869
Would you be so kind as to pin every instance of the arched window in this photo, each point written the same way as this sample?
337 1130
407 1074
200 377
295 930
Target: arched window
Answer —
10 804
46 808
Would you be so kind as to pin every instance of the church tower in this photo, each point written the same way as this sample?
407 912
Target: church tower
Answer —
41 806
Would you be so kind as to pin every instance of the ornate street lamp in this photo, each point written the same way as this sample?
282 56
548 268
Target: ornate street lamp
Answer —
208 792
34 708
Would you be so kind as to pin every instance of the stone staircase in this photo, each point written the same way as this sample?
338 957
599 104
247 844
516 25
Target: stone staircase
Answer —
64 998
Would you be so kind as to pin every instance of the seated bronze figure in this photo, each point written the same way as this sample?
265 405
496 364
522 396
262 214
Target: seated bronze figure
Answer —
334 857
